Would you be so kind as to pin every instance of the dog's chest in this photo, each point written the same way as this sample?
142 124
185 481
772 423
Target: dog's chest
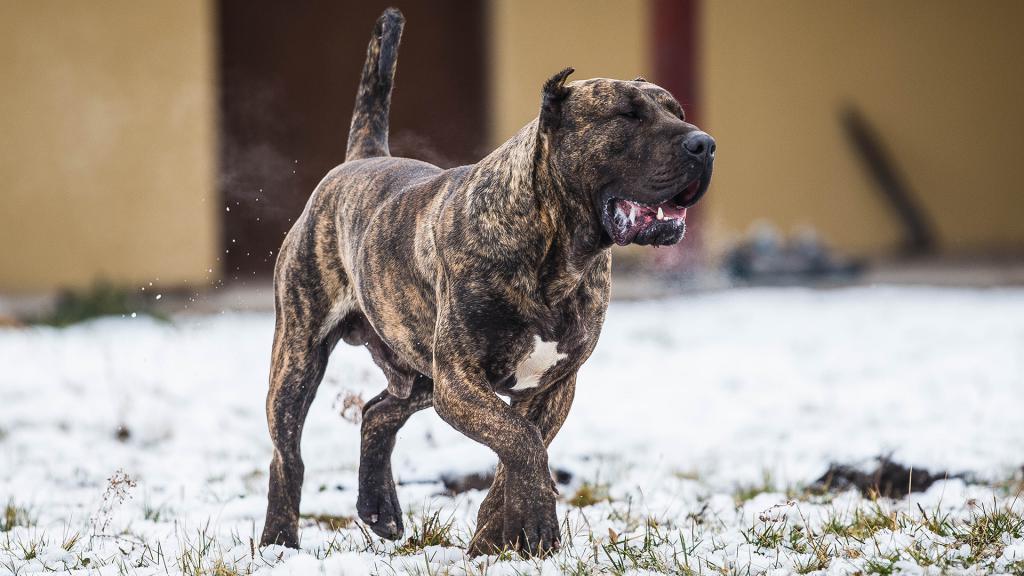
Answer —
529 362
540 354
542 357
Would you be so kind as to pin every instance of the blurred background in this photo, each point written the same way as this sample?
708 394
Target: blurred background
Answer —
153 154
165 147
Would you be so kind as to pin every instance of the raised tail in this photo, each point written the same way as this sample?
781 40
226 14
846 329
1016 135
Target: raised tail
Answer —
368 135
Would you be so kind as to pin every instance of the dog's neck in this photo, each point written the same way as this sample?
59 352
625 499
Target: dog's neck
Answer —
517 196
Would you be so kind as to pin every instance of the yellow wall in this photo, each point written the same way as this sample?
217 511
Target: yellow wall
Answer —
109 125
943 81
108 149
531 40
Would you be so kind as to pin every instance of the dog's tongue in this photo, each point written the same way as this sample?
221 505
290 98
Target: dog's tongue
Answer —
630 218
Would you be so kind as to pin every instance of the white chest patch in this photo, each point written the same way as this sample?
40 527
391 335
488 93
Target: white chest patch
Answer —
544 356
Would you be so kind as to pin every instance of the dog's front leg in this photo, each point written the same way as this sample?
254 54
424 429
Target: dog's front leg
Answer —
547 410
463 399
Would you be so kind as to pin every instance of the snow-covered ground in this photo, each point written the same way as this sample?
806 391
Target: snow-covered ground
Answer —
693 418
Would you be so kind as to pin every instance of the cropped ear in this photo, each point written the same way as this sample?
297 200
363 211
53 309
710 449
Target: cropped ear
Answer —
553 95
640 79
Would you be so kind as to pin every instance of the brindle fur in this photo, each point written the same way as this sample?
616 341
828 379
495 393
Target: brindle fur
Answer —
447 277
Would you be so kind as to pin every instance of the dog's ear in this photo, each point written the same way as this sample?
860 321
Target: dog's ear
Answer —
553 95
639 79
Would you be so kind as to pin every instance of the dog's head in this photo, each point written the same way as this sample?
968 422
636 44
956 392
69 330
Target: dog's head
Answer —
626 146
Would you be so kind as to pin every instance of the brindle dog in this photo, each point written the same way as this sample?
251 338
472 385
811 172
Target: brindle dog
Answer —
472 282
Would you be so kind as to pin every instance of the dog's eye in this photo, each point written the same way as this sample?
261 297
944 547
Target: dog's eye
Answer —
632 114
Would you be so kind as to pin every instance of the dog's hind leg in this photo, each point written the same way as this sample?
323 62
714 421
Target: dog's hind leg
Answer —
299 361
298 366
303 341
548 411
408 392
377 503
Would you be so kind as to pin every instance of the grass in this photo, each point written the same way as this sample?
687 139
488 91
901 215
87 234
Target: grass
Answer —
101 299
203 556
14 515
767 485
800 536
427 530
768 536
589 494
790 534
936 521
940 538
883 566
154 512
986 530
863 523
330 521
641 552
747 492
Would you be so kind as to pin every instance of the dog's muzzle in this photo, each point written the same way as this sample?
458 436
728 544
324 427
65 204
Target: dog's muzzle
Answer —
663 222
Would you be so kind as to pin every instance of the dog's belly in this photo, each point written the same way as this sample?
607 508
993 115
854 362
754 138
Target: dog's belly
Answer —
404 320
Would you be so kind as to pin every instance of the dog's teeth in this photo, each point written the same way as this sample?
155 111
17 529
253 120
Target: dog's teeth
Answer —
661 213
621 218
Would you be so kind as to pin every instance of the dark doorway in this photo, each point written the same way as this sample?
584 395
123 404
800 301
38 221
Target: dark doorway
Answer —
675 51
288 77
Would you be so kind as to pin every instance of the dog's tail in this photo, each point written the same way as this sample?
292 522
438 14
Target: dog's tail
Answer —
368 135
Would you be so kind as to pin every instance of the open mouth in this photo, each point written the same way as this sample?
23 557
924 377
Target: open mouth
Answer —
664 223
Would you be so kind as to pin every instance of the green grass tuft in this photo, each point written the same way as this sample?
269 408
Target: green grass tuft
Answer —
14 515
429 530
101 299
638 552
883 566
589 494
986 530
330 521
745 493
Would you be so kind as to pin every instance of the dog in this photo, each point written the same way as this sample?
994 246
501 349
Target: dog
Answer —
469 283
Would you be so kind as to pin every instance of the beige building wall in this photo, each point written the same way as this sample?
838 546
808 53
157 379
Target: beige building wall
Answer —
943 81
108 150
531 40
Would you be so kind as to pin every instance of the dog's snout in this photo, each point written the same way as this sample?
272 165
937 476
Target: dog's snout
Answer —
700 145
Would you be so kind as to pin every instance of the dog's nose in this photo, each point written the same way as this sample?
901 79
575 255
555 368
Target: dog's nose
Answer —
700 145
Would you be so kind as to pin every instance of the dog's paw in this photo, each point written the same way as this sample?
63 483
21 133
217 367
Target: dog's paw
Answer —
378 507
489 536
531 525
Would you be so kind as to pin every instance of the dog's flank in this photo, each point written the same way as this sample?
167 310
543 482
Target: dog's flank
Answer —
471 282
368 134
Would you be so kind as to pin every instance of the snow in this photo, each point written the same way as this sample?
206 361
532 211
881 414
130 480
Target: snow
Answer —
684 401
